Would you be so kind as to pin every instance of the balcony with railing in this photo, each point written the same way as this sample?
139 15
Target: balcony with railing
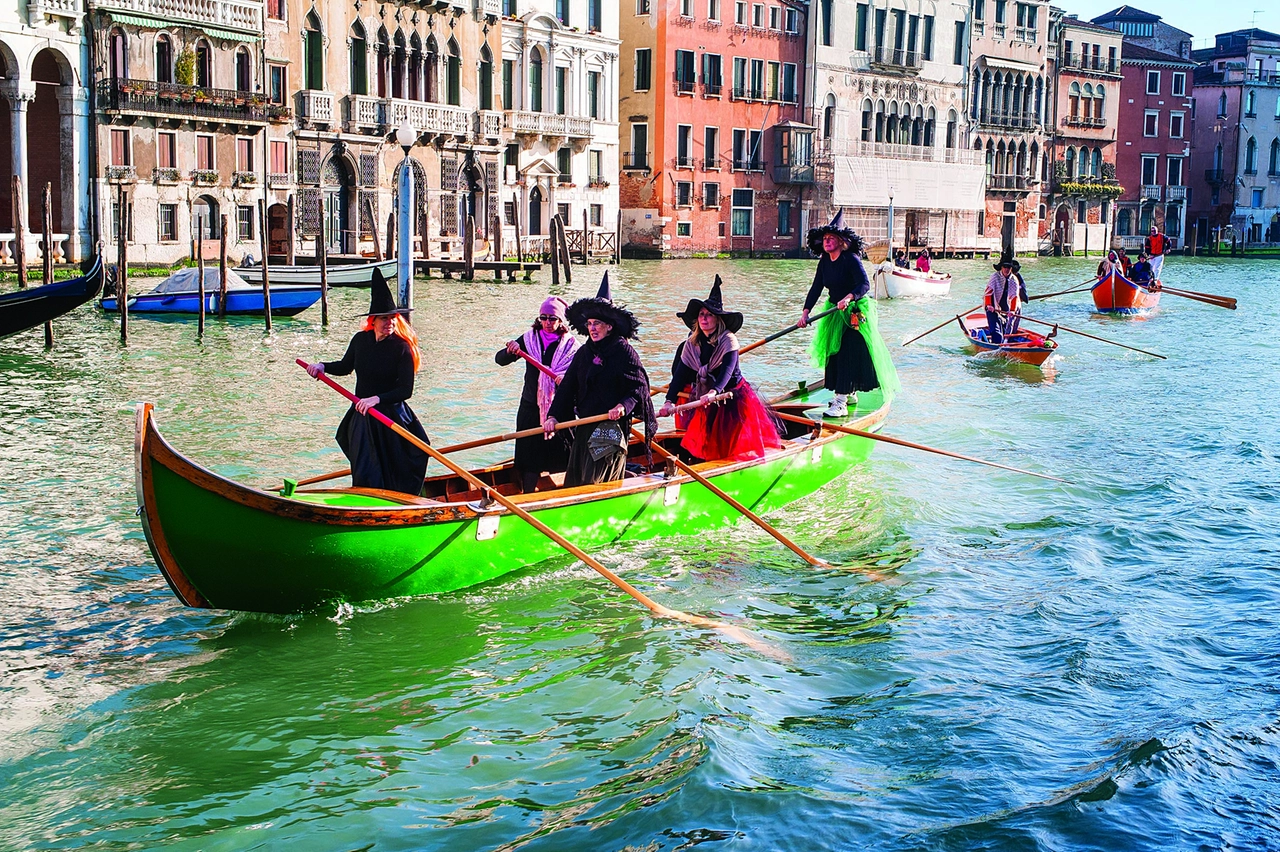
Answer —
684 161
1015 120
1014 183
635 161
1214 176
364 112
711 90
795 174
315 108
525 123
748 164
488 124
242 15
39 10
1091 64
1175 193
1083 121
433 119
684 84
892 151
896 57
1150 192
123 95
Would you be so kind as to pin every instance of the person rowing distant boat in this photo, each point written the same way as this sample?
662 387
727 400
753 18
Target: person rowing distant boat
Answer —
1142 274
384 356
605 377
706 365
1002 298
1156 246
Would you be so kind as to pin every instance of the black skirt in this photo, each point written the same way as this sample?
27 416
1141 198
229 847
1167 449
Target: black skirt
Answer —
850 369
585 468
538 454
379 457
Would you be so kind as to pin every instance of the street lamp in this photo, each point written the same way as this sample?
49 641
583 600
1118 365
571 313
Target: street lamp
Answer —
405 137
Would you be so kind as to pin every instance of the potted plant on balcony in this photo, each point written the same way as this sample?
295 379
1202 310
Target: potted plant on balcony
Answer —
184 67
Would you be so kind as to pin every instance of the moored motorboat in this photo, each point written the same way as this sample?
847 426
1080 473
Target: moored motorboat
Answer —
336 275
1115 294
894 282
1021 345
34 306
225 545
180 294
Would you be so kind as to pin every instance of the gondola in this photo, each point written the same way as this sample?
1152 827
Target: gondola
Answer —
24 309
1115 294
225 545
1025 346
337 275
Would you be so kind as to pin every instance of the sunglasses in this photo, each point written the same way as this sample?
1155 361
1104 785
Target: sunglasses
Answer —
547 317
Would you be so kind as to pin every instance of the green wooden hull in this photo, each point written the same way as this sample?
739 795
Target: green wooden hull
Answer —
221 544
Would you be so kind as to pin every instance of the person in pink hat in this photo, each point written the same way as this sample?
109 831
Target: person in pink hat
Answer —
550 342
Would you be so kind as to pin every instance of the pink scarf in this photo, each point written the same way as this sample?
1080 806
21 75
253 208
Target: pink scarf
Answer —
535 346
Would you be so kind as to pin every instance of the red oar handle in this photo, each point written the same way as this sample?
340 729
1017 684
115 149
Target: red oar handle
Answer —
386 421
535 362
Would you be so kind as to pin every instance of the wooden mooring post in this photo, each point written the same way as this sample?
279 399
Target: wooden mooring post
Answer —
47 253
266 275
322 258
122 263
200 285
222 266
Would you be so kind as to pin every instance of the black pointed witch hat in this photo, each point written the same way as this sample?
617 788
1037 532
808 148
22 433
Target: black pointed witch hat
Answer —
715 304
381 302
601 307
837 227
1007 259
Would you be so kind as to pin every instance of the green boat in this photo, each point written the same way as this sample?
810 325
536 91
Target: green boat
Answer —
224 545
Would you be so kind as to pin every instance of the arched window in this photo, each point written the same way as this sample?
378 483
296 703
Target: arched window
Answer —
433 70
866 120
1096 171
244 71
1251 104
880 121
535 81
1251 156
415 68
1222 105
1033 162
164 59
119 60
1070 160
204 64
486 78
1124 222
1217 156
399 64
1273 168
952 127
453 74
384 61
1083 161
1099 103
359 55
1074 99
891 122
312 53
829 117
930 120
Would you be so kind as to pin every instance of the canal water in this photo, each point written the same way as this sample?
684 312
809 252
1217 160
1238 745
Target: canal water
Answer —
999 662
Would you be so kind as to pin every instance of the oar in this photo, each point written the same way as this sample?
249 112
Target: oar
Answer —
794 326
756 519
875 436
656 608
1230 299
541 366
1079 288
1217 301
945 322
1093 337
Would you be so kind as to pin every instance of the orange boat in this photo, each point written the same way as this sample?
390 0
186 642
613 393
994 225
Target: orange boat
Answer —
1025 346
1115 294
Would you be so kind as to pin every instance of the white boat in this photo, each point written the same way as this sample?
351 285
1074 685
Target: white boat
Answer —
892 282
339 275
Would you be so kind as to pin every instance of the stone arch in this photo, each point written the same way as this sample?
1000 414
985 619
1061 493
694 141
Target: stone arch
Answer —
338 189
50 119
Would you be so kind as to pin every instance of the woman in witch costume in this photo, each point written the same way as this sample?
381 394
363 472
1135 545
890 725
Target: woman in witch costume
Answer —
551 344
384 356
605 377
847 343
706 365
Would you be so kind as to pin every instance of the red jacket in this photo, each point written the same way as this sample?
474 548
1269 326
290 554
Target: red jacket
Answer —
1156 245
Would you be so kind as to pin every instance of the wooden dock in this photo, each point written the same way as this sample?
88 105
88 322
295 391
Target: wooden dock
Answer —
449 268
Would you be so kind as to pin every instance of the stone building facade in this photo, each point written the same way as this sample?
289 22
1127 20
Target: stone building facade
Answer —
718 158
44 96
1081 134
1010 93
888 102
559 81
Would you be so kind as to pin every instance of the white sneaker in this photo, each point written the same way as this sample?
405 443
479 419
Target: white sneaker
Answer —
837 408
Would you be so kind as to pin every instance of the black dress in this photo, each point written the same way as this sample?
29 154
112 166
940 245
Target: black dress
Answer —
379 457
601 376
850 369
536 454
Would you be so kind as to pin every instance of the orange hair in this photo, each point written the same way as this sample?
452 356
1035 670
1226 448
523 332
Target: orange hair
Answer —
400 328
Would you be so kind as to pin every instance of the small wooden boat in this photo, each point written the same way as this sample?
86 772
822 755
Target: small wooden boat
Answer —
1115 294
337 275
180 294
225 545
24 309
893 282
1021 345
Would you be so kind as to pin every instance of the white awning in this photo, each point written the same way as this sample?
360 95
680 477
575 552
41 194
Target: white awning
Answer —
1010 64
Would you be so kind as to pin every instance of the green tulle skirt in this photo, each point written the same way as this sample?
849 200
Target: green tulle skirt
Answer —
830 330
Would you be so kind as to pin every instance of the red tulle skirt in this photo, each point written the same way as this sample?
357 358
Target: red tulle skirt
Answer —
742 428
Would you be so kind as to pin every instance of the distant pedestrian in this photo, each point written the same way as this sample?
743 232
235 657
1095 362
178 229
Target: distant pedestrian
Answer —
922 261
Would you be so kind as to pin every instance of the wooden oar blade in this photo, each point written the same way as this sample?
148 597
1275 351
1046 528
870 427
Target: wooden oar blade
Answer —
945 322
1217 301
1093 336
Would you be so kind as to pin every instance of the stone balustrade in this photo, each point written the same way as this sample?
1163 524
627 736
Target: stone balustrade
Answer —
34 248
241 15
526 123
